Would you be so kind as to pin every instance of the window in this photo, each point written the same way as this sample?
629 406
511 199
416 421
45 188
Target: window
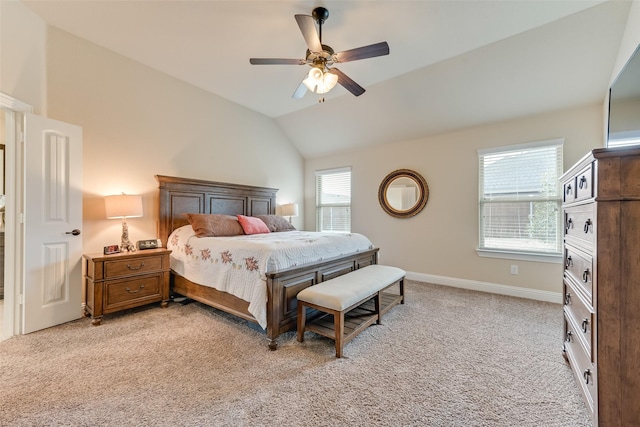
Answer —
520 199
333 200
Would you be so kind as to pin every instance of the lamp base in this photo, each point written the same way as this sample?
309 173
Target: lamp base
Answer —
125 244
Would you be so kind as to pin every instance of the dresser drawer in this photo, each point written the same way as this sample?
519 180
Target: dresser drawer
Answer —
120 294
127 267
578 267
584 371
579 312
584 184
569 190
579 224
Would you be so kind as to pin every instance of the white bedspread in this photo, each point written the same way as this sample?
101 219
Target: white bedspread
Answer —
238 264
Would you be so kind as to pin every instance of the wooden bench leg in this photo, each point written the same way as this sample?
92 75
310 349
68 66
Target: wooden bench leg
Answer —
376 303
302 317
338 321
402 290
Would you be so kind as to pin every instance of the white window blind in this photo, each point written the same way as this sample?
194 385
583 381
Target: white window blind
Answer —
333 200
520 198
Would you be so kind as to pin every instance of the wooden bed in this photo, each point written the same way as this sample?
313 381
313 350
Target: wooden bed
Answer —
179 196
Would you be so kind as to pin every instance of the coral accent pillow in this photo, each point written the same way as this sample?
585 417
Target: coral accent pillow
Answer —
252 225
276 223
212 225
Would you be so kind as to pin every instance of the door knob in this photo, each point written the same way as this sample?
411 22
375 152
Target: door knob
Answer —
75 232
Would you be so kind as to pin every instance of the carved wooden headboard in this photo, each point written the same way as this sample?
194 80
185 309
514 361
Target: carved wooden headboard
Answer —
179 196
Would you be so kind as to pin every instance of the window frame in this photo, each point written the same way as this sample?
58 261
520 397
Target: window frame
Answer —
522 254
320 206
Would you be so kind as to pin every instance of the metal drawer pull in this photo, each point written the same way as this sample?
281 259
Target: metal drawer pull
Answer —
136 291
569 224
135 268
583 182
569 189
569 335
585 276
567 298
586 375
585 325
587 225
569 262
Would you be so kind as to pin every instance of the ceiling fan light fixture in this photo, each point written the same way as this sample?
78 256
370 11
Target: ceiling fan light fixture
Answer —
318 81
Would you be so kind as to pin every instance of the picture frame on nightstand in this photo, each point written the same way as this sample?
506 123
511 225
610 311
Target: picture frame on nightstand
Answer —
111 249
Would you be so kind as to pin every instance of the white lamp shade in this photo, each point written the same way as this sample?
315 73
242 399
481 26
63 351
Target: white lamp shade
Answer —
123 205
290 209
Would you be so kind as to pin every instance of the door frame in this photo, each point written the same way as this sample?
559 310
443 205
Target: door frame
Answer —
14 110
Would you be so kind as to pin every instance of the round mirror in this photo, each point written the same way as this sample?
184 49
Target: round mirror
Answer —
403 193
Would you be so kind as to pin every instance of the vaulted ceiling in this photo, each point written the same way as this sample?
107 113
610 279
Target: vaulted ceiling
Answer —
453 64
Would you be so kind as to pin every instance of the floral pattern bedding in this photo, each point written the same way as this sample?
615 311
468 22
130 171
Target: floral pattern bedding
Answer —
238 264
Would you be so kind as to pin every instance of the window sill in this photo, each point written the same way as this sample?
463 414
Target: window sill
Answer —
522 256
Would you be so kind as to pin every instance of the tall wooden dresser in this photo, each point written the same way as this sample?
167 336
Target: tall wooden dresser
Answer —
602 282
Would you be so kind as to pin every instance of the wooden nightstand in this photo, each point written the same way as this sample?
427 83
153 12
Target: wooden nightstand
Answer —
125 280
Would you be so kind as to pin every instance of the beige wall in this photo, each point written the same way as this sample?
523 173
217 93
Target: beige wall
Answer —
442 240
138 123
22 55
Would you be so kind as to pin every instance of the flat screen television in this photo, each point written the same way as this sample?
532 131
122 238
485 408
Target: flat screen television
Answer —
624 105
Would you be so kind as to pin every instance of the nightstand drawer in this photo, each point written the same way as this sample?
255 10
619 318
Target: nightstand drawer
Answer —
143 289
127 267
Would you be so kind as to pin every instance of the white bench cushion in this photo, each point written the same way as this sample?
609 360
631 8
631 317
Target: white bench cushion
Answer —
344 291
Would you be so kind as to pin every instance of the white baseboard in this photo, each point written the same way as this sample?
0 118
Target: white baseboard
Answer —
494 288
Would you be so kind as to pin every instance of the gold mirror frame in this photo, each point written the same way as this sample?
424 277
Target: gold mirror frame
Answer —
421 199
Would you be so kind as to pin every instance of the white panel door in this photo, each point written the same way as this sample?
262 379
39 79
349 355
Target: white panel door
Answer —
52 223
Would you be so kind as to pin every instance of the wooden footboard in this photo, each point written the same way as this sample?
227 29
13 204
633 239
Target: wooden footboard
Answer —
282 288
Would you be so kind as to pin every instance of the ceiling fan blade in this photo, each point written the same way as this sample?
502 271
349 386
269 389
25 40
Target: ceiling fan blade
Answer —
300 91
276 61
308 28
370 51
346 82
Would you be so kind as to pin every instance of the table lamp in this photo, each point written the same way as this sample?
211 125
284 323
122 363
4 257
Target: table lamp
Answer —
290 209
124 206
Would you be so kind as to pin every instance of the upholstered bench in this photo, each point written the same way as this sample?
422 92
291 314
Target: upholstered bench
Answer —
356 300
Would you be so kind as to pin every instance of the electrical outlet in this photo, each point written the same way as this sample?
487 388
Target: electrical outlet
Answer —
514 269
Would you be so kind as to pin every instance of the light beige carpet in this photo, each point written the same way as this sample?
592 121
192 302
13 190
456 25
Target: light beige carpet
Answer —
448 357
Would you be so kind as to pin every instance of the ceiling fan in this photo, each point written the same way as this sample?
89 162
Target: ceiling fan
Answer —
320 57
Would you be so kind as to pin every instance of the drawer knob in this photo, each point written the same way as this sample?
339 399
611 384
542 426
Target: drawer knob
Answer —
586 375
569 224
583 182
585 325
568 337
585 276
569 262
567 299
135 268
569 189
587 225
136 291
